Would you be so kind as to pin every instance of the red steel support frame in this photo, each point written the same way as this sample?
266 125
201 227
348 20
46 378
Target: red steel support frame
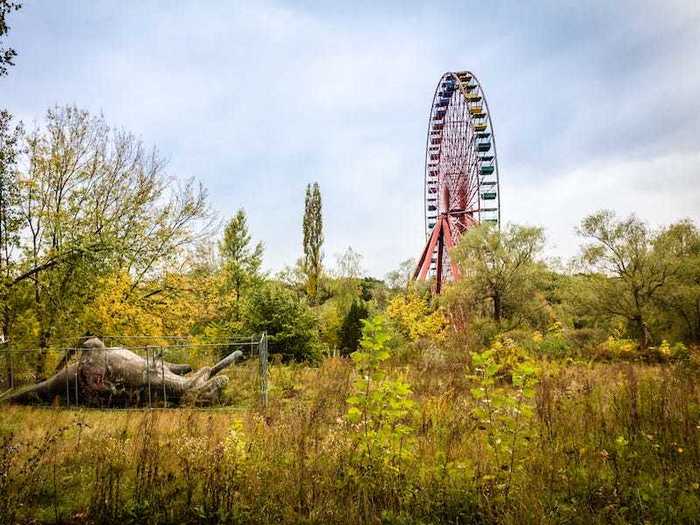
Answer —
441 237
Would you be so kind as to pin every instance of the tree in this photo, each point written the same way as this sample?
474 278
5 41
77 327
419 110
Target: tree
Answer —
346 285
631 266
92 201
241 263
679 300
399 278
349 264
500 267
7 54
413 317
9 218
288 321
9 140
313 240
350 331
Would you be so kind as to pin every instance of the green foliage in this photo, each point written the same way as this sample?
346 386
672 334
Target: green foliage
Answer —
677 351
313 240
288 321
379 406
10 219
504 413
350 331
241 264
602 443
553 343
634 265
499 268
678 314
92 203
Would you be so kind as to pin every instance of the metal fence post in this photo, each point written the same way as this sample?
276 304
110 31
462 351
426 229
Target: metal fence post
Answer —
10 371
77 366
67 378
148 374
162 378
262 356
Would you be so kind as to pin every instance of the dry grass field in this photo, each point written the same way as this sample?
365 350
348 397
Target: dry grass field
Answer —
596 443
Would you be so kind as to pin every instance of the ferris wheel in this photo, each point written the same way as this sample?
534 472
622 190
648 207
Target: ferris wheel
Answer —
461 172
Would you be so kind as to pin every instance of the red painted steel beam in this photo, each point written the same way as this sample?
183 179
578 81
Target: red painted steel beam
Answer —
440 251
424 262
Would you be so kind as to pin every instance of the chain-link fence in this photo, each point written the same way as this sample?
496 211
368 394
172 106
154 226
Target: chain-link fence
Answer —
134 371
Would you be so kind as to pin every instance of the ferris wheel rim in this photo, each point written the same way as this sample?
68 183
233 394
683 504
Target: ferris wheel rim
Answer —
455 77
495 153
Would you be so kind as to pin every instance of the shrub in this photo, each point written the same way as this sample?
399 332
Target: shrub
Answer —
288 321
381 437
504 413
554 343
414 319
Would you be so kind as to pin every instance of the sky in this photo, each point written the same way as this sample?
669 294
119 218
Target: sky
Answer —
594 105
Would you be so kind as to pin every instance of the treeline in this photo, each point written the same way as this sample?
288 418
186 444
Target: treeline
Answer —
96 238
630 281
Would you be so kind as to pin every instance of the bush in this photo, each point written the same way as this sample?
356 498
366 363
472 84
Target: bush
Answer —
581 339
668 352
288 321
617 348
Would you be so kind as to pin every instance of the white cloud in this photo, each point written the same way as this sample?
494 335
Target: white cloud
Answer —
257 99
660 191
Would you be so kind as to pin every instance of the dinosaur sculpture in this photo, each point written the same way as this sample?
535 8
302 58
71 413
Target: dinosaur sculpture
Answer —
104 376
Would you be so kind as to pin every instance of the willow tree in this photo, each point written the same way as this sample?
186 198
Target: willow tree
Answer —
631 268
500 267
679 300
313 240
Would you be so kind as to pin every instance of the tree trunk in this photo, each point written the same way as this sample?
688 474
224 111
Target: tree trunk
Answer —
643 332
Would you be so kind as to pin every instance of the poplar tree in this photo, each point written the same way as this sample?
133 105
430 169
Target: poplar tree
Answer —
313 240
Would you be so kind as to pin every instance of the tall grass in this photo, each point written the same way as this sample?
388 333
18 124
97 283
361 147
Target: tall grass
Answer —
607 443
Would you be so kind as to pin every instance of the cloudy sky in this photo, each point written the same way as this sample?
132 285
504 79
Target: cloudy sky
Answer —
595 105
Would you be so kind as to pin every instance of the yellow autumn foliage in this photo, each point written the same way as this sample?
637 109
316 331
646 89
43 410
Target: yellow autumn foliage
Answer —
172 306
116 311
412 315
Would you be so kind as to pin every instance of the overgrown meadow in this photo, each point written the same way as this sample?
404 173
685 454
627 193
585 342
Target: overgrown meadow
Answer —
396 434
528 392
